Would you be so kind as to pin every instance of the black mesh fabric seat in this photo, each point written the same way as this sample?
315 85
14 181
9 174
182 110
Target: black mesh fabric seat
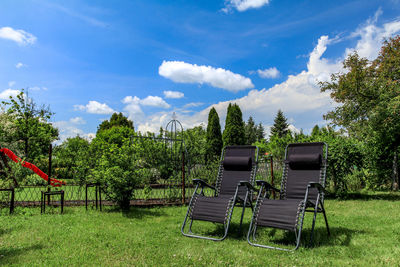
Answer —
238 164
302 190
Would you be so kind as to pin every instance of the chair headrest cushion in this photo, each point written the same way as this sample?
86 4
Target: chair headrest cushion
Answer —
237 163
305 161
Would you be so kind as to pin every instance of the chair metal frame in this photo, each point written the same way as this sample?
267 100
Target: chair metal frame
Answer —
246 202
305 205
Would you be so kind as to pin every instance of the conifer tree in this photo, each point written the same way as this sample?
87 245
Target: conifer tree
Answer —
234 127
250 131
280 127
214 136
260 132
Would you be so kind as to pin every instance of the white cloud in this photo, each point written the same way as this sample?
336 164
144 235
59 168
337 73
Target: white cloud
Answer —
371 37
21 37
11 83
269 73
95 107
154 101
20 65
77 120
182 72
173 94
133 106
9 92
193 104
243 5
68 129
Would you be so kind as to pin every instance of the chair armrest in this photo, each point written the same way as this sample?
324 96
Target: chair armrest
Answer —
248 185
267 185
318 186
203 183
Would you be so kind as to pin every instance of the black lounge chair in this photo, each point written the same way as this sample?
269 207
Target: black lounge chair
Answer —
238 163
302 190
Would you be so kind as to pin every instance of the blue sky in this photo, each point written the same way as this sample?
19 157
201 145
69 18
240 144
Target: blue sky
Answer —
148 59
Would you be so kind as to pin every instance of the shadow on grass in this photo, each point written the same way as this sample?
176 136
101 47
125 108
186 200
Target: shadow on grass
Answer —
11 255
136 212
340 236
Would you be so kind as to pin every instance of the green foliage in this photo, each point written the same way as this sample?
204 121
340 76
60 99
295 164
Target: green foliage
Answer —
369 94
116 120
250 131
234 133
71 160
30 128
118 167
280 127
213 137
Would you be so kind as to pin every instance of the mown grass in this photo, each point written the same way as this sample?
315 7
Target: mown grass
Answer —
365 232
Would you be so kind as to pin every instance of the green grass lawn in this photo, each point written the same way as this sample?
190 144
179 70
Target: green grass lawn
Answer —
365 232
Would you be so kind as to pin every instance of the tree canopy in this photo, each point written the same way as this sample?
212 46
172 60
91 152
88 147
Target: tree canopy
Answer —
214 137
280 127
234 132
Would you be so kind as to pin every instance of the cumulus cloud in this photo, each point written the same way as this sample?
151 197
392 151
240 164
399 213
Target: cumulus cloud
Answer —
133 106
20 65
182 72
68 129
9 92
95 107
21 37
243 5
269 73
173 94
154 101
11 83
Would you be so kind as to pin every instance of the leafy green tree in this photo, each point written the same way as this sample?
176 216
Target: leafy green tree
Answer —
280 127
250 131
116 120
369 94
213 137
33 132
234 133
118 164
71 159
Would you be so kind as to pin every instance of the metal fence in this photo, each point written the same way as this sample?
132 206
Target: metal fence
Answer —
166 192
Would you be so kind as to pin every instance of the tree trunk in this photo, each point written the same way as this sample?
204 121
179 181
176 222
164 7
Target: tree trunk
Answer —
395 173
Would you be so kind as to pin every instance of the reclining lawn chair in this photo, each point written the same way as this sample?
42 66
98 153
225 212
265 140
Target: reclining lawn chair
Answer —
238 163
302 190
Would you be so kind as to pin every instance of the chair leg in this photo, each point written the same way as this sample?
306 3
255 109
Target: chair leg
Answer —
326 220
313 223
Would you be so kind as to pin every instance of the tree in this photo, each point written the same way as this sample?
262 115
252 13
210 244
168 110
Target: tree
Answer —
369 94
250 131
116 120
234 127
72 159
117 164
280 127
213 137
33 132
315 131
260 132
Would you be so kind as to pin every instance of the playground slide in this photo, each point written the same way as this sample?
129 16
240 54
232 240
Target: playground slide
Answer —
13 157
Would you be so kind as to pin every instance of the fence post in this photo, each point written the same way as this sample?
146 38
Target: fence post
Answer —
272 174
49 173
183 178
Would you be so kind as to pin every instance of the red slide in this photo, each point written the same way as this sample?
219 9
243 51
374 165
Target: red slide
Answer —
13 157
